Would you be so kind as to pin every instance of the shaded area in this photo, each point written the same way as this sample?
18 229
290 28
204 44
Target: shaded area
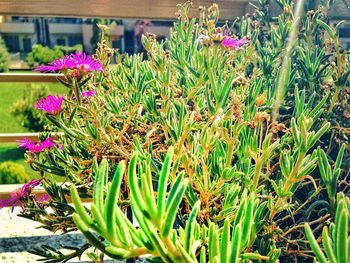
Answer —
11 154
19 244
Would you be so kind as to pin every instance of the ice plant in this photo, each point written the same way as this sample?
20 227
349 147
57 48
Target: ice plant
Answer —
88 93
85 62
59 64
36 147
43 199
185 139
19 196
233 43
203 39
85 94
51 104
79 60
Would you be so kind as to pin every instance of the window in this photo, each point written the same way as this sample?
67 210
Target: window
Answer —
12 43
61 42
161 38
345 31
129 42
74 40
116 43
27 45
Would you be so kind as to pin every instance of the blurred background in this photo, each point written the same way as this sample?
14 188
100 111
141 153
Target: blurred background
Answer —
26 36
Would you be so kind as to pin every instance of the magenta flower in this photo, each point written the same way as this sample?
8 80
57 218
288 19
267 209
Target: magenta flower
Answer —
88 93
51 104
73 61
41 200
36 147
84 62
234 43
57 65
18 196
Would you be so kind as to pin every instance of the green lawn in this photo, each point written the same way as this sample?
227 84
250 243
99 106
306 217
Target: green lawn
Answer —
10 152
9 94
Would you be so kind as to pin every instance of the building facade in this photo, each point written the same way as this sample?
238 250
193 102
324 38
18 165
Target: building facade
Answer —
20 33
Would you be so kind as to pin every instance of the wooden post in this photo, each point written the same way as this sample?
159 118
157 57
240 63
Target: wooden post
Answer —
29 77
141 9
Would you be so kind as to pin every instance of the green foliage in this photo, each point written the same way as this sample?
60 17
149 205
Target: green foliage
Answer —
330 178
44 55
4 56
31 118
156 218
12 173
229 150
336 237
9 94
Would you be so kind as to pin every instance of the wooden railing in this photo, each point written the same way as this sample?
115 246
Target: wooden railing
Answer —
14 137
28 78
5 190
141 9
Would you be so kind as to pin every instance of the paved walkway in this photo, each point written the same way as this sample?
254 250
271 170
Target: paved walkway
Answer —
19 235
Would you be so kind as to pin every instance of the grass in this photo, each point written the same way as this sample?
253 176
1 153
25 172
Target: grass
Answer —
10 152
9 94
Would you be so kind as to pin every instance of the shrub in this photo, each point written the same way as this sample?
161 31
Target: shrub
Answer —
219 144
30 117
43 54
68 49
12 173
4 56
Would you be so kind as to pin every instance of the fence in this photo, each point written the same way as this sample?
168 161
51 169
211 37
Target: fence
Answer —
5 190
141 9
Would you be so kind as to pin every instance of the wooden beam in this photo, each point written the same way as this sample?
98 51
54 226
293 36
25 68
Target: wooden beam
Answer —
13 137
143 9
7 189
29 77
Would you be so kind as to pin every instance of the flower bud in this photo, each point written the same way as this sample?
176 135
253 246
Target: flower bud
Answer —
145 43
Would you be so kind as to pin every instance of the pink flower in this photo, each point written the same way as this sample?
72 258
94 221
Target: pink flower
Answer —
88 93
234 43
85 62
79 60
57 65
19 195
41 200
51 104
35 147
